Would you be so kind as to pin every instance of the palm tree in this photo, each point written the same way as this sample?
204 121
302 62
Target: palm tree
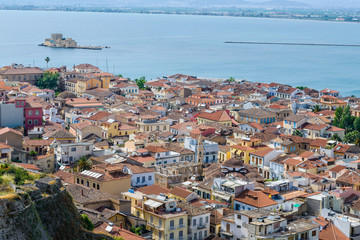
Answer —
316 108
84 163
47 60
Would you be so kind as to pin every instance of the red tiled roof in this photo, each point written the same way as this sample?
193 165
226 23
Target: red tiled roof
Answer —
218 116
255 198
153 189
337 168
180 192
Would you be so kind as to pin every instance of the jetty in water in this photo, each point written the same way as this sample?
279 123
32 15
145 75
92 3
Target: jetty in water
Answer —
58 41
296 44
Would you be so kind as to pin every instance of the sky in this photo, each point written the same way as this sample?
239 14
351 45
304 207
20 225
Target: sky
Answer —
192 3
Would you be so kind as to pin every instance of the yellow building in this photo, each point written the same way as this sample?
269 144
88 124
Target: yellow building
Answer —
87 83
331 102
164 219
135 197
224 153
221 117
246 147
114 129
106 178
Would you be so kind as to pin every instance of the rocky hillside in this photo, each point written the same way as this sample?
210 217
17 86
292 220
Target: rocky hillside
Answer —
42 212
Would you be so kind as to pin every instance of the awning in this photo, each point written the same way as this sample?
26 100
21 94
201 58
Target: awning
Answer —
222 196
152 203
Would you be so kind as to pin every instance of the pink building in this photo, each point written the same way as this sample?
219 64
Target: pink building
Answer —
32 112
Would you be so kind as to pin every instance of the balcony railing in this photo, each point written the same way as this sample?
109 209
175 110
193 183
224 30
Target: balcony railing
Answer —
201 226
181 226
171 228
150 224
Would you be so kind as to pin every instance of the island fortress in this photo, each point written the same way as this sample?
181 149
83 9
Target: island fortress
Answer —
57 40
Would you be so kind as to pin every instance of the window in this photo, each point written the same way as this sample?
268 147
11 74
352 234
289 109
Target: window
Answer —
87 183
313 234
30 112
143 179
149 178
94 185
200 235
73 149
238 216
138 179
36 121
181 234
17 103
181 222
77 180
205 233
30 122
151 219
87 148
160 235
37 112
194 222
206 219
97 186
82 181
195 236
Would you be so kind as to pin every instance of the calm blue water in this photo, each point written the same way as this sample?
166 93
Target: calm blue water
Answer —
161 45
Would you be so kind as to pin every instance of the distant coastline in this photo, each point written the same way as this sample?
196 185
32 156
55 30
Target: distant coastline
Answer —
250 12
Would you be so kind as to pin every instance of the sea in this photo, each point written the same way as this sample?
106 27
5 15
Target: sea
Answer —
154 45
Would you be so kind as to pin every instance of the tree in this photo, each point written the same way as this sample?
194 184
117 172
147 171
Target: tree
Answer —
47 60
343 118
357 124
297 133
49 81
32 153
119 75
140 82
316 108
230 79
88 225
352 137
84 163
301 87
336 137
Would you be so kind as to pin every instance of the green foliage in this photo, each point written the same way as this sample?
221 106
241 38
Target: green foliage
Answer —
230 79
32 153
49 81
119 75
352 137
301 87
357 124
119 238
336 137
138 230
84 163
297 133
343 118
140 82
88 225
10 173
316 108
47 60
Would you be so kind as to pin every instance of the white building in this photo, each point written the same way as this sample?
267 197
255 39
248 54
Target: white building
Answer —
209 149
198 221
141 176
67 154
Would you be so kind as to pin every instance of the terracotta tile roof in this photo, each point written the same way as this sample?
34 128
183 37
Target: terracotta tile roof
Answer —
256 125
81 125
33 142
156 149
28 166
350 177
7 129
316 126
143 159
180 192
319 142
262 153
218 116
65 176
62 133
292 161
153 189
341 148
255 198
126 127
99 116
337 168
334 129
116 231
331 232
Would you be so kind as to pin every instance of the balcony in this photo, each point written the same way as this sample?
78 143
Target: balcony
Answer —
150 224
201 226
181 238
181 226
171 228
